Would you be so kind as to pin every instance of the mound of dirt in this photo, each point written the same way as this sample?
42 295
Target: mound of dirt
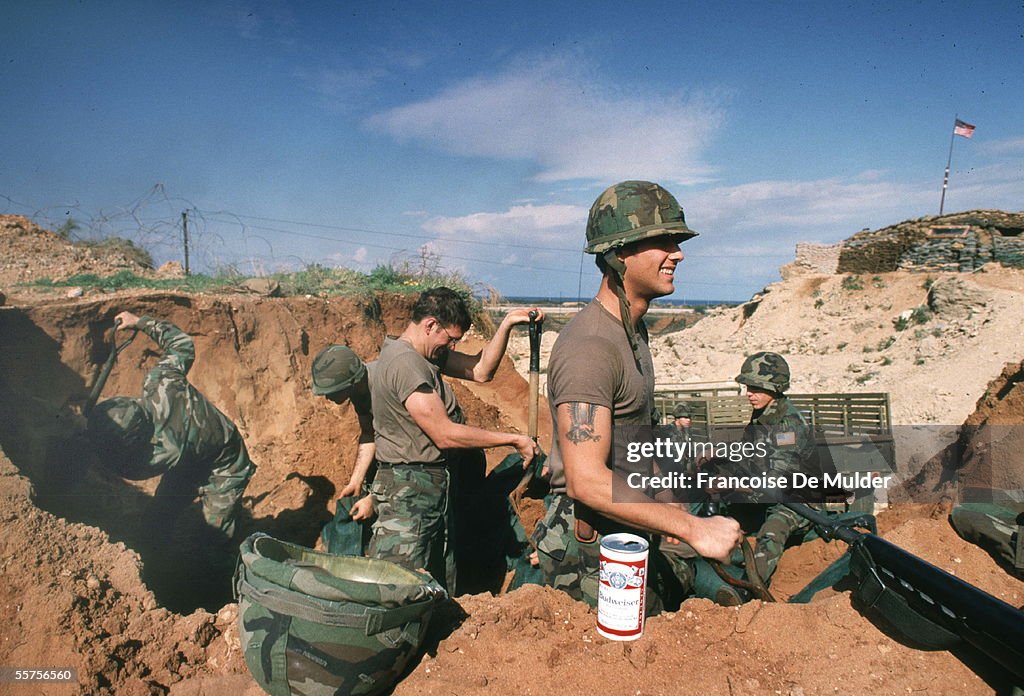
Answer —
32 253
536 640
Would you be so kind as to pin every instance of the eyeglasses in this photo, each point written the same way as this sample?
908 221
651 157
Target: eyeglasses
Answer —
452 341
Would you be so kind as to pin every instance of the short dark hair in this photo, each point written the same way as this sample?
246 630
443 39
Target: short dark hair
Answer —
445 305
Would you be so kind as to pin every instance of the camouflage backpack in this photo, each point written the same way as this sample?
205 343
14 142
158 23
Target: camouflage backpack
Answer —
311 622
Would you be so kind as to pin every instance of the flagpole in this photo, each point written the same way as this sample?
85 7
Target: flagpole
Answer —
949 160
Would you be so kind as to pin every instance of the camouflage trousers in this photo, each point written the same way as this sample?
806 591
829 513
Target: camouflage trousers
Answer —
573 566
413 526
996 528
782 527
220 490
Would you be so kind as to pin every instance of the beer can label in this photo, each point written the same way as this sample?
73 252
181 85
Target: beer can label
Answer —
622 591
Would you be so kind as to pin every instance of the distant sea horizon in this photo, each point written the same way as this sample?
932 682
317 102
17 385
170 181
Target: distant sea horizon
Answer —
662 301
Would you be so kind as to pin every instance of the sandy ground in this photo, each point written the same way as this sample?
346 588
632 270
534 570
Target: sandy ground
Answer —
77 588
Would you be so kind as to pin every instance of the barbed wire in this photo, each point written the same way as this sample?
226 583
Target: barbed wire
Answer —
153 221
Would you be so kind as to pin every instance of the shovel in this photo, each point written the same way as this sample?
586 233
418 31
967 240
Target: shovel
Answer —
101 379
516 496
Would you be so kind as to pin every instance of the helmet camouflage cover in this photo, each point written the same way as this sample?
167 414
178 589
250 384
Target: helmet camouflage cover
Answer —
683 410
121 430
632 211
335 368
765 370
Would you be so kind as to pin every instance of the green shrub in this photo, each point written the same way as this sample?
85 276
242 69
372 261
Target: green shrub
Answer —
852 282
921 315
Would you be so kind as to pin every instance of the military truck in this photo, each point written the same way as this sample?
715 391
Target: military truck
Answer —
853 430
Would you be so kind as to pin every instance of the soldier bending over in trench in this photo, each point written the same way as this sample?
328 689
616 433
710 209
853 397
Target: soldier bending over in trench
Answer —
175 431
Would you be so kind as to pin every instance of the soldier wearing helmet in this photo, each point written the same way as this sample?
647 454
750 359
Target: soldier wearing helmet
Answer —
789 445
339 375
774 421
600 377
174 431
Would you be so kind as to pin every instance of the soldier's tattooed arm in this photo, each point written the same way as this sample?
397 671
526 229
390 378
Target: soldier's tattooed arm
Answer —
581 423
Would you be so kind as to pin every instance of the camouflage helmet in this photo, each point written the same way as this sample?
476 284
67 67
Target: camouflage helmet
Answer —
765 370
632 211
683 410
336 367
121 429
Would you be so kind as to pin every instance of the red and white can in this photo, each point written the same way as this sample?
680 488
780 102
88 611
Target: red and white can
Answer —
622 591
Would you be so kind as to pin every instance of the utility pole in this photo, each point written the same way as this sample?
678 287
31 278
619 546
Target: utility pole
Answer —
184 234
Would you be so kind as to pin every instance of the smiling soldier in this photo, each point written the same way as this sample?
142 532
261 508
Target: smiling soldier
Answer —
600 377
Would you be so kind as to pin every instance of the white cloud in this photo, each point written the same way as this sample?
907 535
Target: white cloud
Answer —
524 224
570 123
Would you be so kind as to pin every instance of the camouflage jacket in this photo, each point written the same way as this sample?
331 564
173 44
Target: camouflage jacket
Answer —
789 441
188 429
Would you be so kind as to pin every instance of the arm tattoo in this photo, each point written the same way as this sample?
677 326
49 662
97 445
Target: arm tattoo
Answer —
581 428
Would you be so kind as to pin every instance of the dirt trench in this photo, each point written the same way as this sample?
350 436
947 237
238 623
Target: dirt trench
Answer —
82 589
132 616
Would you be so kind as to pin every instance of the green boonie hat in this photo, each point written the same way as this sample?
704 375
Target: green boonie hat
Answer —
632 211
765 370
335 368
683 411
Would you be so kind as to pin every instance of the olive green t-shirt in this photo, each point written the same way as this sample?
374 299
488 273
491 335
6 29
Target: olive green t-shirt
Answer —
592 363
400 371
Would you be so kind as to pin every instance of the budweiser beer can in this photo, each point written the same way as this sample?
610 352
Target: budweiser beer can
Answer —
622 592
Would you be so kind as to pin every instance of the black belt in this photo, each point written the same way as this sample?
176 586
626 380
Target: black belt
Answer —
418 465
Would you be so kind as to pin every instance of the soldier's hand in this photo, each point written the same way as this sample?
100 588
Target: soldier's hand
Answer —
715 537
126 320
351 488
522 315
527 448
363 509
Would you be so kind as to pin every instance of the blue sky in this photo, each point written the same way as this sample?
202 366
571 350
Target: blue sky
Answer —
356 133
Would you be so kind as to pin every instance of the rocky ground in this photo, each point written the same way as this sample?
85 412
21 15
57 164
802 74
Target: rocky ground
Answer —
78 588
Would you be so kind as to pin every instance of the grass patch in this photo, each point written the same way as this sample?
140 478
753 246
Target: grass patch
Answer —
852 282
126 279
921 315
315 280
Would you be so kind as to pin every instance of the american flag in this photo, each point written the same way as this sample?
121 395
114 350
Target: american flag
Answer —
963 128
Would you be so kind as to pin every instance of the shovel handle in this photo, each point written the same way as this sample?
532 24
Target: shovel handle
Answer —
108 365
535 333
